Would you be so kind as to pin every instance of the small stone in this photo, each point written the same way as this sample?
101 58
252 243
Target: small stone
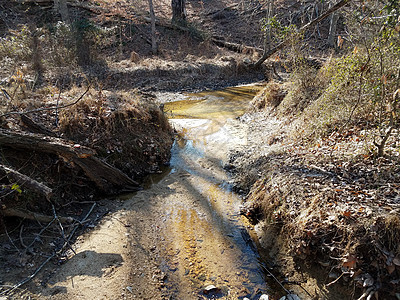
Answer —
210 289
264 297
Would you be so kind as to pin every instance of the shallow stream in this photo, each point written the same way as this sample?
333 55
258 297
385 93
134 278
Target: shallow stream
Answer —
209 240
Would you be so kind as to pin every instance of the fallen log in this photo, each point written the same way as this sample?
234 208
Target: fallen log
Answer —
235 47
106 177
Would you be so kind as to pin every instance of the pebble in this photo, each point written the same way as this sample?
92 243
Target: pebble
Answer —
264 297
210 289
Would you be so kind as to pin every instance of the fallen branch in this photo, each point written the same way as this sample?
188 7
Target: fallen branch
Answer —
337 279
25 181
213 13
25 214
313 22
26 280
46 108
234 46
35 127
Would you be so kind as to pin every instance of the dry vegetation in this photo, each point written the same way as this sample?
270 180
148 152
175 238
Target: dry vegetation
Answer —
329 184
65 124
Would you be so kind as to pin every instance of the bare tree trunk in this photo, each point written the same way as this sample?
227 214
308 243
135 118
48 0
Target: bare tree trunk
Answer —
178 11
61 7
332 30
153 28
268 39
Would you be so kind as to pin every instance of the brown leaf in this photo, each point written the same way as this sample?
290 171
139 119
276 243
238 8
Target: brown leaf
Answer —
390 269
350 262
347 213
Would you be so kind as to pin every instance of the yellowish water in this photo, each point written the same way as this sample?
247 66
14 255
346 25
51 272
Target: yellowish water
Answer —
228 103
206 234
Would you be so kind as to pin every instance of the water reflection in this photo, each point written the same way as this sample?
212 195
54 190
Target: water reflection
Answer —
212 244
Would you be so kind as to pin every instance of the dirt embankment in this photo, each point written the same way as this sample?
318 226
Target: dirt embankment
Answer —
327 213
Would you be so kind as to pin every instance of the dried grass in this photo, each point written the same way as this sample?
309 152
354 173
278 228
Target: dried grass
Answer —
270 97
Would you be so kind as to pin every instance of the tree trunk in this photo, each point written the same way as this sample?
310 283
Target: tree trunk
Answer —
332 30
153 28
178 11
268 37
61 7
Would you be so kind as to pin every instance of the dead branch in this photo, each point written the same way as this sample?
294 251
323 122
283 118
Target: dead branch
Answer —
313 22
25 214
234 46
216 12
26 280
21 283
35 142
337 279
46 108
21 240
25 181
35 127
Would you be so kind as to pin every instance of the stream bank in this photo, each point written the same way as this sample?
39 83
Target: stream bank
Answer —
327 212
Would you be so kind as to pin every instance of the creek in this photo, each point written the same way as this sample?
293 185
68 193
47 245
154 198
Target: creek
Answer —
208 240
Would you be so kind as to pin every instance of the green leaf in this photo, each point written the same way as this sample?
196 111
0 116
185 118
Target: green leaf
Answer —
16 187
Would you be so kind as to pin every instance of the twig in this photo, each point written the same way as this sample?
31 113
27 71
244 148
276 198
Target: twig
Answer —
61 227
20 237
21 283
46 108
58 221
299 284
76 227
58 100
337 279
12 212
269 272
37 237
11 241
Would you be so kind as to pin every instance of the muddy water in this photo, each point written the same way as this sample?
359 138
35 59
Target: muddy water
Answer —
206 238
